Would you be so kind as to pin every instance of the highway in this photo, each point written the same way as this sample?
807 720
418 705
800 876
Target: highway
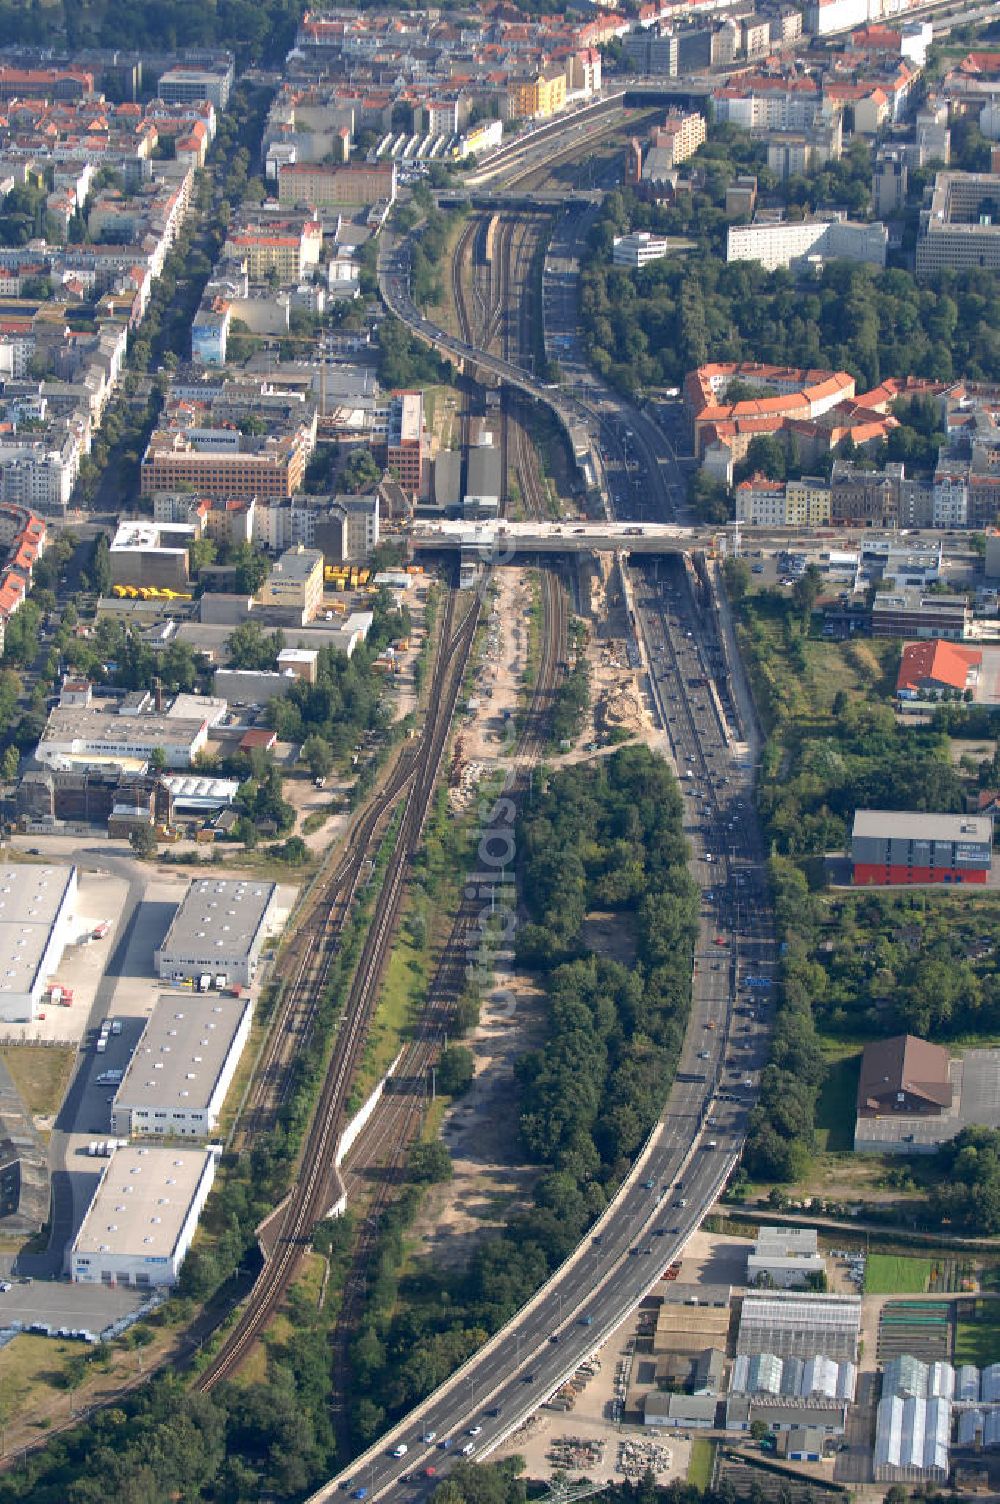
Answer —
700 1133
699 1136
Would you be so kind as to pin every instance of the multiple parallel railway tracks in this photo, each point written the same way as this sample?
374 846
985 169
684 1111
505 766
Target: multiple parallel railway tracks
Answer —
409 789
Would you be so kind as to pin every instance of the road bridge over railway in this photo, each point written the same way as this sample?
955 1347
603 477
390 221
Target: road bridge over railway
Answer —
495 539
525 201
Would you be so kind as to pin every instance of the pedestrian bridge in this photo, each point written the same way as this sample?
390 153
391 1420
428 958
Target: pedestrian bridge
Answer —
502 540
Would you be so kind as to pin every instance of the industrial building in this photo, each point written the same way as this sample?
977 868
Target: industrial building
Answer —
782 1416
218 930
679 1412
112 734
143 1217
36 909
918 613
799 1326
904 1075
152 553
182 1067
935 667
783 1257
901 846
296 583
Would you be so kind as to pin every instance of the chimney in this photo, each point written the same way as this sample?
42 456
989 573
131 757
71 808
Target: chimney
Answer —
158 695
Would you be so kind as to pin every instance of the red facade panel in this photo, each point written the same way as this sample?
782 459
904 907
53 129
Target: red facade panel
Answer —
868 873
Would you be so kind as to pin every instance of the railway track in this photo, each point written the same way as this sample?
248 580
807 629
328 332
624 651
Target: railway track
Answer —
310 1197
306 963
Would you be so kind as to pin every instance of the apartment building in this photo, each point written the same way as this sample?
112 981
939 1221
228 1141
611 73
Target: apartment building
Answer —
761 502
870 498
784 243
349 185
40 473
406 451
798 153
760 102
783 395
807 502
951 496
960 230
46 83
537 97
345 528
890 180
679 136
288 246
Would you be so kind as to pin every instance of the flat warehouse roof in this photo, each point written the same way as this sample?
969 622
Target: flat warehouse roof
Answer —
30 901
142 1202
33 895
221 913
907 825
182 1052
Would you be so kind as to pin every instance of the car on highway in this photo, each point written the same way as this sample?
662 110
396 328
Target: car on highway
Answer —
401 1450
428 1437
475 1430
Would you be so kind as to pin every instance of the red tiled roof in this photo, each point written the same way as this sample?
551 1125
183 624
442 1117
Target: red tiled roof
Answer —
945 663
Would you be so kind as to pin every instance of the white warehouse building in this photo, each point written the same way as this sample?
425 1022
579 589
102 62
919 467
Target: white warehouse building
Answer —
143 1217
37 906
219 930
183 1065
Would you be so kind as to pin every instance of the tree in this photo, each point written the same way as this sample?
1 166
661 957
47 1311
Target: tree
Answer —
143 841
158 760
806 590
252 568
430 1163
736 574
246 831
455 1070
250 648
11 764
101 566
360 473
317 756
201 553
